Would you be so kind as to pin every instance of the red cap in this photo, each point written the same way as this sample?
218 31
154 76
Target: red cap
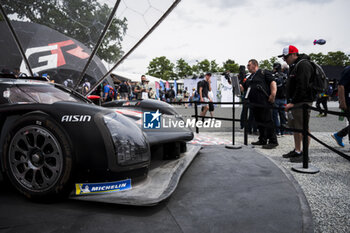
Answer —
288 50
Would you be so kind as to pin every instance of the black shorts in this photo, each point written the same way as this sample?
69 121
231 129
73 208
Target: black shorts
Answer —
211 107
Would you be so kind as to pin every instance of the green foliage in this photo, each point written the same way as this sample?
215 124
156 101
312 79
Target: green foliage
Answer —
161 67
183 69
331 59
230 65
204 66
214 67
82 20
267 63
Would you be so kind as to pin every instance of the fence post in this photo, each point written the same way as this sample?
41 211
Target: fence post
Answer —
305 167
233 146
245 121
196 115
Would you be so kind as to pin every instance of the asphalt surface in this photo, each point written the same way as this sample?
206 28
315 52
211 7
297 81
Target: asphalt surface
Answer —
222 191
327 192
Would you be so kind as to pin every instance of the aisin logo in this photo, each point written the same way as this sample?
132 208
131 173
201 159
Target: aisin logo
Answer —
152 120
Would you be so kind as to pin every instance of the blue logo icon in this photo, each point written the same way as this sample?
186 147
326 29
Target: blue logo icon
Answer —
151 120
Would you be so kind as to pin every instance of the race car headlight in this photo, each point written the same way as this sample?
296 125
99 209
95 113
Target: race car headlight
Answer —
129 141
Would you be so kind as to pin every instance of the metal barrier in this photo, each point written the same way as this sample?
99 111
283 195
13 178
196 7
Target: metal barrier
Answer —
305 167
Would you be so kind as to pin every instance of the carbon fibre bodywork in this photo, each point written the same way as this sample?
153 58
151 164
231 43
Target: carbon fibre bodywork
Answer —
104 145
136 108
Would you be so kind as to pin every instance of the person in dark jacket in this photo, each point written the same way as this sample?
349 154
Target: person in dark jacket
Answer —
279 115
298 93
344 103
262 91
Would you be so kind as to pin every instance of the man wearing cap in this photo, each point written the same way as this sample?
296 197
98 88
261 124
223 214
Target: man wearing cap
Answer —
298 94
262 91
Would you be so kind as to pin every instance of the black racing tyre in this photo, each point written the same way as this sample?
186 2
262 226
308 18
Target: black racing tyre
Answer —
38 158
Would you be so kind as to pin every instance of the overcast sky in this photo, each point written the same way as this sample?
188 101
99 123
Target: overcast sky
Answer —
241 30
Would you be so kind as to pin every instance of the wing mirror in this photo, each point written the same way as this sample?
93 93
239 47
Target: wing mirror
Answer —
95 99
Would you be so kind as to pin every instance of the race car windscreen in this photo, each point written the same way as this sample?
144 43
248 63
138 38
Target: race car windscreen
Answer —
45 94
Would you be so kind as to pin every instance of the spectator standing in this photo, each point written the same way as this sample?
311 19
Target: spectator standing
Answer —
298 93
263 92
322 99
151 93
279 115
186 96
344 103
204 88
109 93
211 105
246 111
86 86
141 89
18 73
171 94
123 90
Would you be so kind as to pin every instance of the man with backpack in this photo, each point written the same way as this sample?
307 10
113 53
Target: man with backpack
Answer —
109 92
299 92
204 87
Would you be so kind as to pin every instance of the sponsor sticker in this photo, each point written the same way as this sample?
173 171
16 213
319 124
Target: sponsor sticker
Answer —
92 188
152 120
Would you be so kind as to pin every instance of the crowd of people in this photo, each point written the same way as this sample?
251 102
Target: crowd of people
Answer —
286 88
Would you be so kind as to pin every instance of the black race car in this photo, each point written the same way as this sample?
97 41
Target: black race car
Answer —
169 140
52 137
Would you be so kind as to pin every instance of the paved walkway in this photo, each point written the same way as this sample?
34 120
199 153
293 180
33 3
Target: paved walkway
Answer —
327 192
222 191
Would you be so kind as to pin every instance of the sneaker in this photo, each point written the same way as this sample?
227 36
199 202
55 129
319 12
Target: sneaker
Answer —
298 159
291 154
270 146
338 139
259 143
319 115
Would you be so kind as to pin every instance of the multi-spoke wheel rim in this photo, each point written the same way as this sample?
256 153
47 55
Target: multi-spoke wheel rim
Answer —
35 158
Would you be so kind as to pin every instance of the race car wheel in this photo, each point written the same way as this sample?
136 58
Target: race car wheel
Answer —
38 159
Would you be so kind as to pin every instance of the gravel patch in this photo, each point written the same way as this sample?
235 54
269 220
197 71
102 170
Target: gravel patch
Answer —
328 192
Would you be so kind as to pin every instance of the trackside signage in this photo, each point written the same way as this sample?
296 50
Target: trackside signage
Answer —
155 120
94 188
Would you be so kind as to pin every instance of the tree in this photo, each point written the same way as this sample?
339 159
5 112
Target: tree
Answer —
331 59
161 67
337 59
319 58
204 66
230 65
183 69
267 64
195 68
82 20
214 67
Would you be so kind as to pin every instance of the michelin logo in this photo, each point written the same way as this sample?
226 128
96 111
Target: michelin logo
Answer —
83 189
152 120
